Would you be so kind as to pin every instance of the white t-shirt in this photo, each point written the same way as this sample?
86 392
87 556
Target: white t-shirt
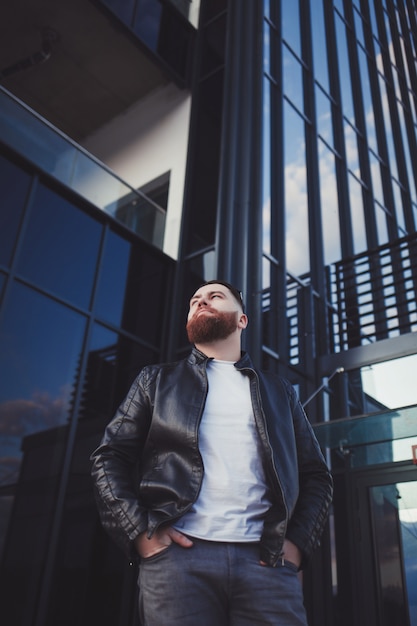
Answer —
233 497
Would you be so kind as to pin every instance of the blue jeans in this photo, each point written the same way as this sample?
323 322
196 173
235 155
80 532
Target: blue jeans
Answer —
218 584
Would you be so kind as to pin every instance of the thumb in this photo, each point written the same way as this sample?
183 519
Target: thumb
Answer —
179 538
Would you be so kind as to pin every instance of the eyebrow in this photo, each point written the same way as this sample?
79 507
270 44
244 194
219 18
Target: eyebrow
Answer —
210 293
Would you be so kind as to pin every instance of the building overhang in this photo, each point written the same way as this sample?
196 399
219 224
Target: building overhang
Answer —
377 352
73 63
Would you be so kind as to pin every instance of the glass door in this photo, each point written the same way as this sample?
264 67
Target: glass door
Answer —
387 547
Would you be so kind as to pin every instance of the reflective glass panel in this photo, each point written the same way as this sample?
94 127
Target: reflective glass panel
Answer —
147 22
204 265
367 101
60 247
377 382
329 205
399 208
394 525
388 127
293 79
133 289
319 46
407 505
40 347
291 25
344 69
376 180
358 28
381 220
122 8
111 290
2 283
113 363
14 187
297 241
351 147
358 219
407 152
374 26
371 439
88 565
267 49
324 116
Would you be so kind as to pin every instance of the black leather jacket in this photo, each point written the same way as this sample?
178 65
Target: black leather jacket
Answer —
148 469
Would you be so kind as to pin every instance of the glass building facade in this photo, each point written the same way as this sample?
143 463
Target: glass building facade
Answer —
76 325
300 188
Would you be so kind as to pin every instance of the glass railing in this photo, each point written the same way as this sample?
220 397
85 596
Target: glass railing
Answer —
382 437
27 133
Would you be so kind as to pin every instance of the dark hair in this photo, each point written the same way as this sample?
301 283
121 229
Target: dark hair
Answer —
235 292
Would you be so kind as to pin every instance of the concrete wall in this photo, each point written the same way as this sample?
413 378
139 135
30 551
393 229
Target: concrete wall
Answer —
149 139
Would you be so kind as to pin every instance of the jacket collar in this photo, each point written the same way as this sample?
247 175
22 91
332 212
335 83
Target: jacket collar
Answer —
196 357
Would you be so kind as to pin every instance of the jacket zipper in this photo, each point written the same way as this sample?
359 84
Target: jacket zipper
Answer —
267 439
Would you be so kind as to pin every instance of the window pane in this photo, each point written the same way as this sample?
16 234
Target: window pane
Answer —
88 565
111 291
407 154
367 101
381 220
351 147
319 46
60 247
344 70
268 34
359 28
113 363
297 242
324 117
388 127
40 346
2 283
376 179
329 206
204 265
147 22
133 288
399 208
291 25
358 220
122 8
293 79
14 187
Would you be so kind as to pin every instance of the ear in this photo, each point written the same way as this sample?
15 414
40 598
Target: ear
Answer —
242 321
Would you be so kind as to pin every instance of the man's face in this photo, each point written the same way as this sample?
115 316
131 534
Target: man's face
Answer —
214 314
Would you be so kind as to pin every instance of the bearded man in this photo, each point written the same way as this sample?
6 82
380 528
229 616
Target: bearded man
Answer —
211 475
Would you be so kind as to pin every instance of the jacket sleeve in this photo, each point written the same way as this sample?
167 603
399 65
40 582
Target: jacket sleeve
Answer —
315 486
114 465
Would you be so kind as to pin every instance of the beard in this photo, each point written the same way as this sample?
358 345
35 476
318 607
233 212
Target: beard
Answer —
219 325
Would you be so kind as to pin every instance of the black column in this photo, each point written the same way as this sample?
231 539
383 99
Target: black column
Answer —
239 225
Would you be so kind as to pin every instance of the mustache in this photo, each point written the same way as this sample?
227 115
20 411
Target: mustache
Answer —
206 307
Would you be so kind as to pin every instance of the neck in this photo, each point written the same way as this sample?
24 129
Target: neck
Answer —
224 350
